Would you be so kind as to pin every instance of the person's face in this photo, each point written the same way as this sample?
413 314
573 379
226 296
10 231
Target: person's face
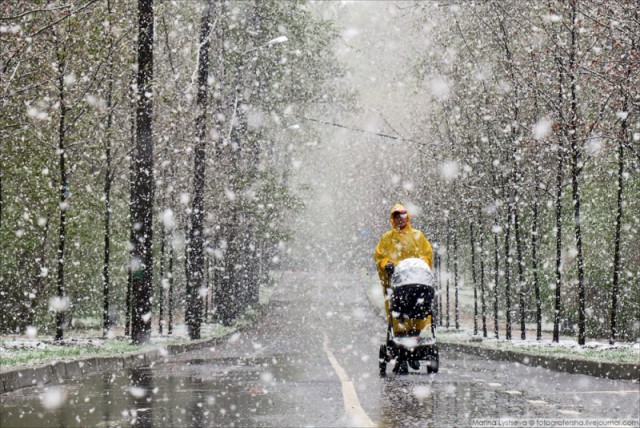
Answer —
400 220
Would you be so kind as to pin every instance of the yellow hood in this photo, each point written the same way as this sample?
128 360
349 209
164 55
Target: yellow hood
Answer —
399 207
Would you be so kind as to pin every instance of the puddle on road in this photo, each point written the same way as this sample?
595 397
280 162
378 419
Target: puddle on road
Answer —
199 392
418 400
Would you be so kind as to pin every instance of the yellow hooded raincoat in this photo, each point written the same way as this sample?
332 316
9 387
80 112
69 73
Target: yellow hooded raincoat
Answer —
399 244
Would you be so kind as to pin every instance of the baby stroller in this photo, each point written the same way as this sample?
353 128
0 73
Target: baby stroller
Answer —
410 292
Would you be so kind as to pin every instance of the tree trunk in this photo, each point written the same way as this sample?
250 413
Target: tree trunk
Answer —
127 298
440 318
513 204
616 252
534 258
107 195
559 183
193 315
496 253
64 190
482 288
254 276
521 281
132 179
507 269
143 190
107 229
448 268
161 288
575 173
207 270
456 280
170 292
473 276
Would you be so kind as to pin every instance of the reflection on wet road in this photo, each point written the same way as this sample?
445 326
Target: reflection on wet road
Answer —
279 374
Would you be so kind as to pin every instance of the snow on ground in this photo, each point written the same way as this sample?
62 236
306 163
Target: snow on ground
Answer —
90 339
19 343
465 333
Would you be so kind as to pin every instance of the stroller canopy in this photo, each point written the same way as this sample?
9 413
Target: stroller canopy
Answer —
412 271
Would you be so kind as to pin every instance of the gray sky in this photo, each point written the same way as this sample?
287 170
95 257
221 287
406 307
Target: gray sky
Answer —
348 168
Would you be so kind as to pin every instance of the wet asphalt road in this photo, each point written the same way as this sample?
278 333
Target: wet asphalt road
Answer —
312 361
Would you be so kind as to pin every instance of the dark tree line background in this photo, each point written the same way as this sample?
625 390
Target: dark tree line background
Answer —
529 163
142 166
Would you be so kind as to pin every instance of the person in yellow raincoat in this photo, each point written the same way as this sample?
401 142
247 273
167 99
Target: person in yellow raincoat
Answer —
401 242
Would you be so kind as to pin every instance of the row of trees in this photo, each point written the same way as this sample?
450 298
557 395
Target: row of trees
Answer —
536 146
143 157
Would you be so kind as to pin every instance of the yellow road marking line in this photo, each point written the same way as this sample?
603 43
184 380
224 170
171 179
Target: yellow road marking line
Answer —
355 413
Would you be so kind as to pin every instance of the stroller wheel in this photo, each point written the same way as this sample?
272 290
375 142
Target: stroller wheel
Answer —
382 361
434 365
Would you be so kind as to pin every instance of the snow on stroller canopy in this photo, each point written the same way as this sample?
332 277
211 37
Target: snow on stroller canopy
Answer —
412 271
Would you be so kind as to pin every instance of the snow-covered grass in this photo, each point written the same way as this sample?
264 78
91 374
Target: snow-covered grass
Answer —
23 350
566 347
15 352
594 350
